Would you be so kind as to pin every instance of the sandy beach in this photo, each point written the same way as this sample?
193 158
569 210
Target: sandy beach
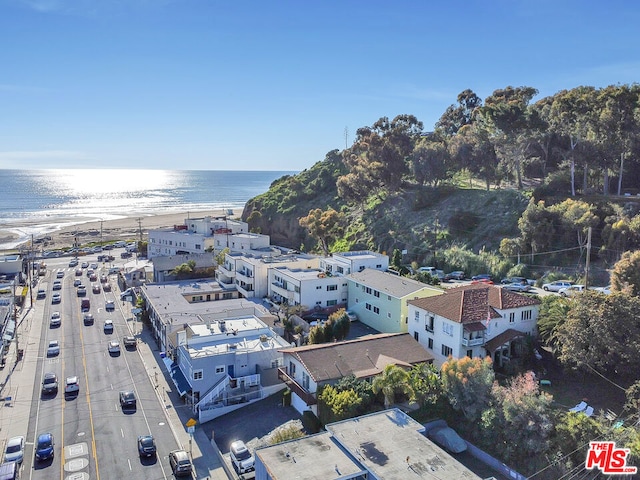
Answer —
128 228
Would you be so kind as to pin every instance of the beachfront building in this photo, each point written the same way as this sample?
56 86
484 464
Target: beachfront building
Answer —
309 367
242 242
249 272
204 265
227 364
345 263
195 235
474 321
10 264
309 287
379 299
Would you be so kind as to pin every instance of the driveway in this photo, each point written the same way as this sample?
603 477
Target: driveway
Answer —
251 422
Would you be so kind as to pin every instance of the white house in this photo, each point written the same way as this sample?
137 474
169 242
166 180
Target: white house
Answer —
310 287
308 367
475 321
379 299
345 263
249 272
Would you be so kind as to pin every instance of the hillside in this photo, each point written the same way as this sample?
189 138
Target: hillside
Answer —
416 218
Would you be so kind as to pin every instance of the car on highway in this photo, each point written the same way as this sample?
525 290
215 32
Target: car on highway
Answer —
556 285
82 291
53 349
71 385
85 265
77 282
14 451
570 291
107 287
94 266
93 277
108 326
41 293
127 399
114 347
241 457
56 298
57 285
180 463
44 446
146 446
73 263
56 320
95 288
60 274
517 287
109 305
88 319
49 383
103 278
78 272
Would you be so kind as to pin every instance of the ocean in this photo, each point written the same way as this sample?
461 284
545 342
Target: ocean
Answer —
35 202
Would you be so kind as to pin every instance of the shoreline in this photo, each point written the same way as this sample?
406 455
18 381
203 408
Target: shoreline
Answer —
63 235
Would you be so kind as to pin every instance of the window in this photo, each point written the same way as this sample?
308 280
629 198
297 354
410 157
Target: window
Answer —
292 369
198 247
219 369
379 266
512 317
197 374
305 381
318 287
388 314
332 288
417 316
367 306
368 290
470 353
428 326
525 315
376 310
447 328
430 343
331 303
416 336
446 351
376 293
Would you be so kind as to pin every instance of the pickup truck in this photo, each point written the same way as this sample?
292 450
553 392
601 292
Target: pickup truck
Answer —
129 342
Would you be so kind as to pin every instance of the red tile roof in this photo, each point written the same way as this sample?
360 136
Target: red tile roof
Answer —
473 303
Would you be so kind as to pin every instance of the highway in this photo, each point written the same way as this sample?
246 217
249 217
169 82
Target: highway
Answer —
94 438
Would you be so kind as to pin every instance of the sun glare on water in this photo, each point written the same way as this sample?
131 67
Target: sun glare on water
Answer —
105 181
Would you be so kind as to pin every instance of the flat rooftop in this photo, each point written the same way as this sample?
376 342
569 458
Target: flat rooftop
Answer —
391 446
315 456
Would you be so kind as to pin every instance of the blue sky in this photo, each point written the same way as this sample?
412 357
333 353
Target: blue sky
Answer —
272 85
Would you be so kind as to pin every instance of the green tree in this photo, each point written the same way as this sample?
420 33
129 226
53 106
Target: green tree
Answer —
184 270
324 225
553 314
457 116
361 387
625 276
341 403
219 258
602 333
467 383
390 381
425 383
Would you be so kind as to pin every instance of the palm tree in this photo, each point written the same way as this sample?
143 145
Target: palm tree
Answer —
393 378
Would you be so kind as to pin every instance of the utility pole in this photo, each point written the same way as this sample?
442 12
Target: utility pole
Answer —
139 220
586 268
346 137
101 231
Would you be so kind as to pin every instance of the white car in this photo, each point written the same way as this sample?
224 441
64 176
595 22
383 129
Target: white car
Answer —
55 319
572 290
606 290
109 305
517 287
241 457
556 286
60 274
114 347
14 452
71 385
352 316
53 349
108 326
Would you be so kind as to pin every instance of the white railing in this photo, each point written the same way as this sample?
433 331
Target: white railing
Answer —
472 342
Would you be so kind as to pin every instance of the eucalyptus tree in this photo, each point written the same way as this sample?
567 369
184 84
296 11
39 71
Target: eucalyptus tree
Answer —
457 116
508 111
472 149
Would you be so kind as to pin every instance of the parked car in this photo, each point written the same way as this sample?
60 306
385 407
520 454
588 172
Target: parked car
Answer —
556 286
448 439
127 399
180 463
241 457
517 287
146 446
71 385
49 383
509 280
606 290
55 320
481 277
572 290
352 316
44 446
456 275
53 349
14 451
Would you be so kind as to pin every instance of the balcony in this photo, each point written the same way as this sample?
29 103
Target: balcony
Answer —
473 342
295 387
244 275
227 272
